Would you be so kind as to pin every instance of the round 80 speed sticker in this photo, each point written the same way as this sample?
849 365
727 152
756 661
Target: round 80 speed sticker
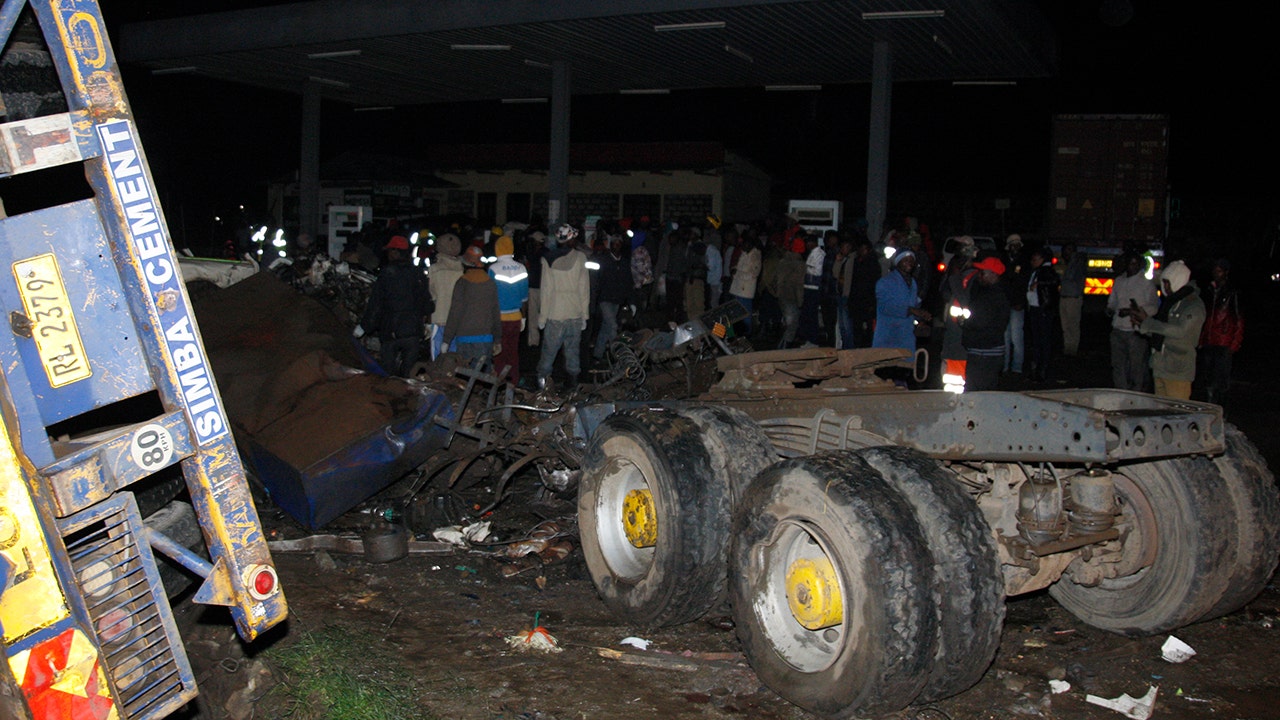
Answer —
151 447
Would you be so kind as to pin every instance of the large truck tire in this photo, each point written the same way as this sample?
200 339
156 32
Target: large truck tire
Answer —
1177 559
1256 529
154 492
968 587
653 518
738 447
832 587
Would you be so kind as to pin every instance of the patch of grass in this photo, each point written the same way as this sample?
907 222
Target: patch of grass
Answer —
337 674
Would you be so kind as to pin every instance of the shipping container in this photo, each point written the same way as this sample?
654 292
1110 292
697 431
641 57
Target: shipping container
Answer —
1109 179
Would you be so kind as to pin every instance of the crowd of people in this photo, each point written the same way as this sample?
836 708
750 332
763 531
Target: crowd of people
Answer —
562 295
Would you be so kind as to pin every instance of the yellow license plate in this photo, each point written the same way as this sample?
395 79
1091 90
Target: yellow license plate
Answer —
53 325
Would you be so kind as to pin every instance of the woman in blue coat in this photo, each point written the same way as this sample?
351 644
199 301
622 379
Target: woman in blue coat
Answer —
898 305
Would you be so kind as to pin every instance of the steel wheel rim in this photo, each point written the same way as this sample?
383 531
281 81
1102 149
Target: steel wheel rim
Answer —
626 471
806 650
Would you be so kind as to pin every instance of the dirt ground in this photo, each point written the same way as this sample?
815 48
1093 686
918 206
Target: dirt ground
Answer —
436 626
447 627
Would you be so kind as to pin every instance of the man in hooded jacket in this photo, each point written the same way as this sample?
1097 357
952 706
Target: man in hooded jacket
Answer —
1174 331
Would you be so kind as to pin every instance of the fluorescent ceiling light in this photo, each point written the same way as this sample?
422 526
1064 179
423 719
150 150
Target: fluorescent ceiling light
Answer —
535 63
644 91
175 70
465 46
957 83
373 108
789 88
738 53
523 101
327 81
332 54
713 25
903 14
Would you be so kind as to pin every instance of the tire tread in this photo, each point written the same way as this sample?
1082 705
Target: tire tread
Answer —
852 491
969 587
694 569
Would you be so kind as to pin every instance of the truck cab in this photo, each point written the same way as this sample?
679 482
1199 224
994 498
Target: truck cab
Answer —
104 386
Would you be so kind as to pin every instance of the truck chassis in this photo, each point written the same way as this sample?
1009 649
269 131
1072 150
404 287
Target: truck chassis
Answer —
866 538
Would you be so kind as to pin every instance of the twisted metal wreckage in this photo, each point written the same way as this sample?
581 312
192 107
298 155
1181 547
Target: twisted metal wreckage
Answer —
296 388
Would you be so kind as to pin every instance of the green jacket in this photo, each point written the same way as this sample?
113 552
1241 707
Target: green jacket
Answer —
1176 358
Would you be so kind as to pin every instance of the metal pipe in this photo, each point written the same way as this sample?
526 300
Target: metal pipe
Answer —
181 555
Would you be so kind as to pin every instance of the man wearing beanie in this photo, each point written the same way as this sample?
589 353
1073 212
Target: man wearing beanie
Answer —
787 285
513 293
1174 331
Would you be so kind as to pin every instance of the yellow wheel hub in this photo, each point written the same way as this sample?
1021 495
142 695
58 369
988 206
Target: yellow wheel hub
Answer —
639 520
813 593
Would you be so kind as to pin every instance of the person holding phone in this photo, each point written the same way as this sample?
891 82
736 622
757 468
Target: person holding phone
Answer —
1174 331
1129 348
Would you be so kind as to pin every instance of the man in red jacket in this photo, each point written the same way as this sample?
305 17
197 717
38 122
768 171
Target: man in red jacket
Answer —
1222 334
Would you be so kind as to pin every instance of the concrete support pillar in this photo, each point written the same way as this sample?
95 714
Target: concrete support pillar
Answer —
309 166
558 176
878 140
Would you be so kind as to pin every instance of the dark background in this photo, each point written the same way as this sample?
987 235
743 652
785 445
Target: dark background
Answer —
214 146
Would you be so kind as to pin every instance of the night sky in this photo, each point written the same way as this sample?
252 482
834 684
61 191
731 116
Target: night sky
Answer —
215 145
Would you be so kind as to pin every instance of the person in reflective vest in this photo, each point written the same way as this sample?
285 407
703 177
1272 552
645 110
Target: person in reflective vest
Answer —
955 295
513 293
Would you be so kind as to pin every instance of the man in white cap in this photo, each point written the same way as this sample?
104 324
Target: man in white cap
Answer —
1174 331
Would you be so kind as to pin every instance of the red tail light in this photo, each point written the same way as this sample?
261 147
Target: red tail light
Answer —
262 581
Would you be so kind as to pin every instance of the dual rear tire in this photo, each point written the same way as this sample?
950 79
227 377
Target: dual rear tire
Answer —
864 581
861 581
1203 537
654 507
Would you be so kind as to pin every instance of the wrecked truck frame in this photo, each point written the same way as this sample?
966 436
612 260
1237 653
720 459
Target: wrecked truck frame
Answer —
866 536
